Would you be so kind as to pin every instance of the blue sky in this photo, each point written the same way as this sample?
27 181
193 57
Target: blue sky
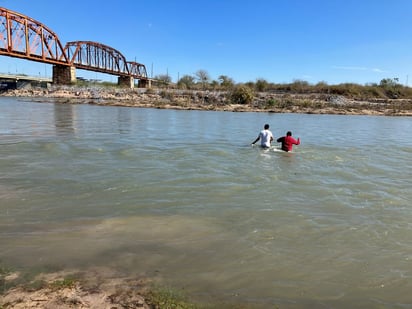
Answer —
334 41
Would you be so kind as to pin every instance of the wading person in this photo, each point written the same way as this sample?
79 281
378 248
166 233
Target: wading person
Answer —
265 137
288 141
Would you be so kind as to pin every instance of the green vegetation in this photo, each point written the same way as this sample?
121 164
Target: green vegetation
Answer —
167 298
199 91
225 82
242 95
261 85
389 96
186 82
3 273
62 284
10 278
203 77
388 88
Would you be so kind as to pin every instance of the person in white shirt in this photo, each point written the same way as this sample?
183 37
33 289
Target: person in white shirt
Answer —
265 137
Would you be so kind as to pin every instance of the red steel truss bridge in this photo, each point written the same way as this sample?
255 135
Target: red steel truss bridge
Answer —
26 38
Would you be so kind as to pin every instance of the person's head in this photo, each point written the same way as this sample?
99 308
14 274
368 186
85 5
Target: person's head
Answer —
289 133
266 126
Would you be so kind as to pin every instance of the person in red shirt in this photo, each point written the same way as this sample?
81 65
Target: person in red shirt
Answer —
288 141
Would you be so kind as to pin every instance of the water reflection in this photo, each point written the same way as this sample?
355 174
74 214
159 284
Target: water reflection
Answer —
124 120
64 119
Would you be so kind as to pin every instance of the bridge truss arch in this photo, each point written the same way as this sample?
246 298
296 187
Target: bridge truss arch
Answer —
97 57
24 37
102 58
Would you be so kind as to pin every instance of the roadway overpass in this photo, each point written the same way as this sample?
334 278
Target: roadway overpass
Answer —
17 81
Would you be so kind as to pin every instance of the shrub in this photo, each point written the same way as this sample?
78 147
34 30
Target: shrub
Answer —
271 102
242 95
166 95
261 85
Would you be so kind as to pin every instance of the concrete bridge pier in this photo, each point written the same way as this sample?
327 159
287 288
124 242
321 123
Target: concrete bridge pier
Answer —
144 83
64 75
126 81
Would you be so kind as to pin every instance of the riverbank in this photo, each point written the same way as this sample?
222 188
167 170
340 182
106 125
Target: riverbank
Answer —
96 288
73 290
312 103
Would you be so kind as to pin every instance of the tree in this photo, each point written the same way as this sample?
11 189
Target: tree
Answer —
389 82
300 86
214 84
250 84
261 85
164 78
226 82
186 82
391 87
203 77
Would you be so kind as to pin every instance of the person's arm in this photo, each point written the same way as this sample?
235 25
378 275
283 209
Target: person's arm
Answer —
297 142
257 138
280 139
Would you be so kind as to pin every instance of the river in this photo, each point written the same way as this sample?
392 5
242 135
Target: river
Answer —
182 196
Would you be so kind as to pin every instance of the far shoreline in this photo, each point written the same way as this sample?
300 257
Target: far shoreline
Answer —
268 102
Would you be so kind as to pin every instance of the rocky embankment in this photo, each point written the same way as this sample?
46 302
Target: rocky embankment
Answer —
312 103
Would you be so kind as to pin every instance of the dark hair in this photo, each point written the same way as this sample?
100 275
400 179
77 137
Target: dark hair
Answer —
289 133
266 126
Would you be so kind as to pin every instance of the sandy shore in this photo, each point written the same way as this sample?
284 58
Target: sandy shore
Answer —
98 288
218 101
